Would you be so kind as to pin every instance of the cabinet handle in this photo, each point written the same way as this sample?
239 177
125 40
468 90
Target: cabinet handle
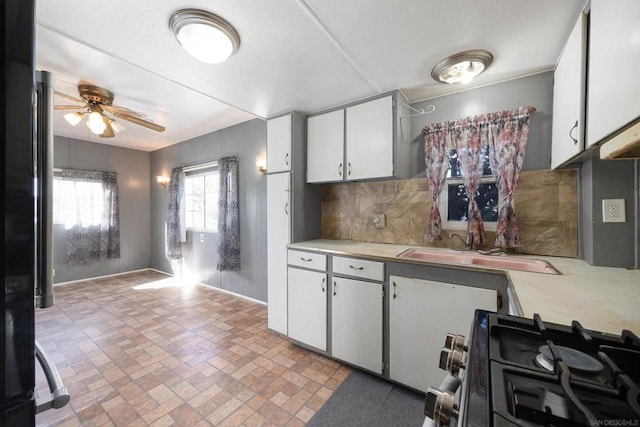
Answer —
340 169
335 285
394 290
322 284
286 208
575 141
356 268
306 259
286 159
349 171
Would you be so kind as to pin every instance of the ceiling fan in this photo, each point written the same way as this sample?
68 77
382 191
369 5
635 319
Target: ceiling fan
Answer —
97 107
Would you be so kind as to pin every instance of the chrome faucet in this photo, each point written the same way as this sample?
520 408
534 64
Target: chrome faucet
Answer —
464 242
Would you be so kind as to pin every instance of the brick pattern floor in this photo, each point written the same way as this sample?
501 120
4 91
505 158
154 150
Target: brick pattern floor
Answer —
140 349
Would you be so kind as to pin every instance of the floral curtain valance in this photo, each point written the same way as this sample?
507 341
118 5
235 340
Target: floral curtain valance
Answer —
506 134
89 203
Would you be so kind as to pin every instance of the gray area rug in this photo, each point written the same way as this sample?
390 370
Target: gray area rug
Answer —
366 400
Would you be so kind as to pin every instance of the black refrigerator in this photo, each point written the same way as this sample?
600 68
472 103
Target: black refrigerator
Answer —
27 166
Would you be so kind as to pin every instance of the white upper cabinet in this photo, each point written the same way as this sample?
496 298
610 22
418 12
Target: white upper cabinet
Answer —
569 97
370 139
363 131
614 66
279 144
325 147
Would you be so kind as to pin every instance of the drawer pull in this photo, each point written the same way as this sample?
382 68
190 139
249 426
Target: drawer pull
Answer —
306 259
335 285
394 290
322 284
356 268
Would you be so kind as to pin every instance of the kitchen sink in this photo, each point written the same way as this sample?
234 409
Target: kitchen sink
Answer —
474 259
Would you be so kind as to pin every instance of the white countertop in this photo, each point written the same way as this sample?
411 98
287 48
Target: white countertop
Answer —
601 298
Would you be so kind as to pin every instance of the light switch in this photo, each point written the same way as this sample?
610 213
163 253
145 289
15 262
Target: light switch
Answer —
613 210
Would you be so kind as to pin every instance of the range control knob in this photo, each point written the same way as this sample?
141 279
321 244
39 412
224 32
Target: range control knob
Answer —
440 406
455 342
451 361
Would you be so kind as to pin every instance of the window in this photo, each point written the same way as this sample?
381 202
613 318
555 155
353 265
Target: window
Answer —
455 201
201 192
77 202
87 203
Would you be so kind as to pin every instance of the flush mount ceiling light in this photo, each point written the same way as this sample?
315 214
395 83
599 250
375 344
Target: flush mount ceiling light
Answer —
206 36
462 67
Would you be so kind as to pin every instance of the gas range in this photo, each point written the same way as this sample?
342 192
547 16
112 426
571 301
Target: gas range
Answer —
526 372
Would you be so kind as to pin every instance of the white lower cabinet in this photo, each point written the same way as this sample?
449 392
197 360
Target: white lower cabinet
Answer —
278 236
421 313
307 307
356 323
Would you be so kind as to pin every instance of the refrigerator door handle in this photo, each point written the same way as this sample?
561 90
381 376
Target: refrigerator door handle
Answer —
59 395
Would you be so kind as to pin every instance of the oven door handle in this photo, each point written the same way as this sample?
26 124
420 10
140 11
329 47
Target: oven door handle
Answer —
58 395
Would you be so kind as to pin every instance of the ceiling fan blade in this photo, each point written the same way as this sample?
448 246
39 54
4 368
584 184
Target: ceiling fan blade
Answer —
114 109
69 97
68 107
108 131
139 121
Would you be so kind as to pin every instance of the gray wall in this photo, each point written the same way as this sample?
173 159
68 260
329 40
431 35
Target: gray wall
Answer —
535 90
132 167
608 244
247 141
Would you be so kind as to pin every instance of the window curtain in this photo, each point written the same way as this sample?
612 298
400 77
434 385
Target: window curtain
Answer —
470 136
228 216
93 228
176 232
507 135
437 144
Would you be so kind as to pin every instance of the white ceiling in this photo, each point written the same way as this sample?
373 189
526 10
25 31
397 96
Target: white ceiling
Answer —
304 55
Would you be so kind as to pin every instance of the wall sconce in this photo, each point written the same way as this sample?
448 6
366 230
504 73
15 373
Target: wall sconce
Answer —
163 180
262 165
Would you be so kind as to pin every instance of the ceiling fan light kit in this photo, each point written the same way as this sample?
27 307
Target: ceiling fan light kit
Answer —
207 37
462 67
97 103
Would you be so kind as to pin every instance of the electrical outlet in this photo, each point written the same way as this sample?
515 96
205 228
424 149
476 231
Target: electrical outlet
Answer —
613 210
202 237
379 220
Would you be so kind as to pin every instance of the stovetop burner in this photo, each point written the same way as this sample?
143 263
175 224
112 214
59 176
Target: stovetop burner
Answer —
574 359
527 372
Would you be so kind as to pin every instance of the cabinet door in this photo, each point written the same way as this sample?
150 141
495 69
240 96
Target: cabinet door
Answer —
307 302
278 236
356 323
568 98
422 312
614 62
279 144
370 139
325 147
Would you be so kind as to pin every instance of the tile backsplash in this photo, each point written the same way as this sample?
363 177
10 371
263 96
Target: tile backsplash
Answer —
546 205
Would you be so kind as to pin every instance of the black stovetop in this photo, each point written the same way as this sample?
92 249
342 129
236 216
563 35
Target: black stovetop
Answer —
528 372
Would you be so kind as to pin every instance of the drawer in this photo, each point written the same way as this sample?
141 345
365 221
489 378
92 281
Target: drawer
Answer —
371 270
310 260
